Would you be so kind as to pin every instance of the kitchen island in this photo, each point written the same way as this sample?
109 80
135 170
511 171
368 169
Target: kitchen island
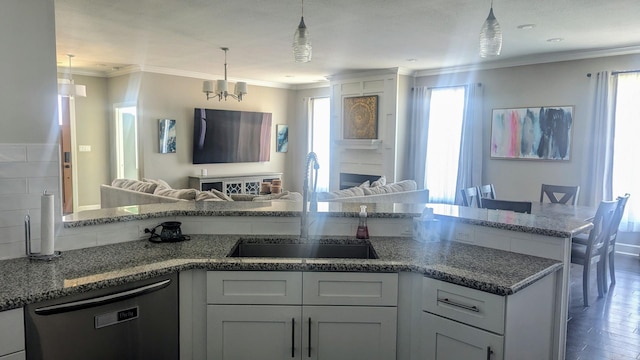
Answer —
495 259
479 269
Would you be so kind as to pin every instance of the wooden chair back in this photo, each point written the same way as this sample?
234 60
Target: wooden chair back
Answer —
470 196
517 206
599 235
487 191
560 194
617 217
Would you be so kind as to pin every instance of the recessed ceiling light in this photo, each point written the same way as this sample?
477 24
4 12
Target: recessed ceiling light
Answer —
526 26
554 40
412 60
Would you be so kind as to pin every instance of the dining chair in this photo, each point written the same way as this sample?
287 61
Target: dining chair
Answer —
594 251
611 245
567 193
487 191
471 196
517 206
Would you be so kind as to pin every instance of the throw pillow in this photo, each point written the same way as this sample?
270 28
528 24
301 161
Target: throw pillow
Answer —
350 192
380 182
135 185
242 197
365 184
221 195
183 194
285 195
407 185
158 182
206 196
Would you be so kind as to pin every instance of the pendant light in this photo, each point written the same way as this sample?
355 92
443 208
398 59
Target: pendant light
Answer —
67 88
490 36
239 90
302 41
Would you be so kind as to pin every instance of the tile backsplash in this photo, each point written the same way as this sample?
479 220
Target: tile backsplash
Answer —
26 171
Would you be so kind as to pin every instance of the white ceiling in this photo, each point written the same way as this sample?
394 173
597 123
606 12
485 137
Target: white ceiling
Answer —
184 36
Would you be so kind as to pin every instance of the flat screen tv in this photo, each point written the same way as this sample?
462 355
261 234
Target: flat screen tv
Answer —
224 136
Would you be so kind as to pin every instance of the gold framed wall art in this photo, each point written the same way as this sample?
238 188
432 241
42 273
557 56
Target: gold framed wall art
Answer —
360 119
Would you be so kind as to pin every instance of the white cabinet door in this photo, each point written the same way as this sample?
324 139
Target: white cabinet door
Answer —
21 355
11 331
241 332
444 339
349 333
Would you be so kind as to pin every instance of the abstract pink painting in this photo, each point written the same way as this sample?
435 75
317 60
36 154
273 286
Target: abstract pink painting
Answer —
535 133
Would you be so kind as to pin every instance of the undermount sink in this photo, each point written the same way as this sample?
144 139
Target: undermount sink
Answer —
303 250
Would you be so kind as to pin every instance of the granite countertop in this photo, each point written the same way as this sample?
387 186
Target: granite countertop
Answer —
27 281
551 220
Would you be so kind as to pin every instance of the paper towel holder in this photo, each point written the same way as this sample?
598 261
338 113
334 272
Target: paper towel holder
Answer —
27 240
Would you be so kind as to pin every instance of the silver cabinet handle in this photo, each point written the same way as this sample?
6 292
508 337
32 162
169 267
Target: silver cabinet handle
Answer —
101 300
309 354
293 337
462 306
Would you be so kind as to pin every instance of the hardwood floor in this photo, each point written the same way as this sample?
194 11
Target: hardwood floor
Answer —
610 327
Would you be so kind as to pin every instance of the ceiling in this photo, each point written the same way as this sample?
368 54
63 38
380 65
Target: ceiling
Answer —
184 37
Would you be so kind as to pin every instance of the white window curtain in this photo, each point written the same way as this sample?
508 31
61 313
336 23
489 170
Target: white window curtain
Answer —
601 144
470 161
448 122
613 144
626 173
419 130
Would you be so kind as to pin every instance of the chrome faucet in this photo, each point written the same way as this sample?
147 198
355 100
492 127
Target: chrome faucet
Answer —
313 206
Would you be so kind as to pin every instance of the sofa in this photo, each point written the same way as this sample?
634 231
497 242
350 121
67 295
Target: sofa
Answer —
379 191
127 192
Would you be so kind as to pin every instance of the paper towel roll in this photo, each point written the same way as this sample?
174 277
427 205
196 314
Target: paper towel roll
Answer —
47 224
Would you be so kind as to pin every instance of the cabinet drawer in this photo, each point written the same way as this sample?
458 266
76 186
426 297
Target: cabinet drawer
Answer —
254 287
340 288
469 306
11 331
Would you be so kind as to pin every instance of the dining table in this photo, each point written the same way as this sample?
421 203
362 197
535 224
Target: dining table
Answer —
554 210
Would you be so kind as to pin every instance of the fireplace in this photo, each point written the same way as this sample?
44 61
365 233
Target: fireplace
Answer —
348 180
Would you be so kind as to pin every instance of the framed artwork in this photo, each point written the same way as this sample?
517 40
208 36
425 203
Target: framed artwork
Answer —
360 119
167 136
532 133
282 138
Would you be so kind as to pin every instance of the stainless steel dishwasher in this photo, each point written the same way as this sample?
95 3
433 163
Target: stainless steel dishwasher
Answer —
136 321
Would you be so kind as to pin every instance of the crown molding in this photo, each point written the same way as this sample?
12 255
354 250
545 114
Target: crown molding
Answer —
532 60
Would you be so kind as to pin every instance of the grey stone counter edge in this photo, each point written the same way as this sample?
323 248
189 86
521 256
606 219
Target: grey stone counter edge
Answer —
452 270
578 228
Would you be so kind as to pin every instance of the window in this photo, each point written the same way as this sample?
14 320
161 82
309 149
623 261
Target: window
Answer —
626 173
446 112
320 138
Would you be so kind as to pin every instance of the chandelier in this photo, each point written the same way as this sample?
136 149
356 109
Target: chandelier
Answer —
221 88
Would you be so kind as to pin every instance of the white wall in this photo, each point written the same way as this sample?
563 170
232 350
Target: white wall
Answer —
29 151
28 94
174 97
92 129
553 84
